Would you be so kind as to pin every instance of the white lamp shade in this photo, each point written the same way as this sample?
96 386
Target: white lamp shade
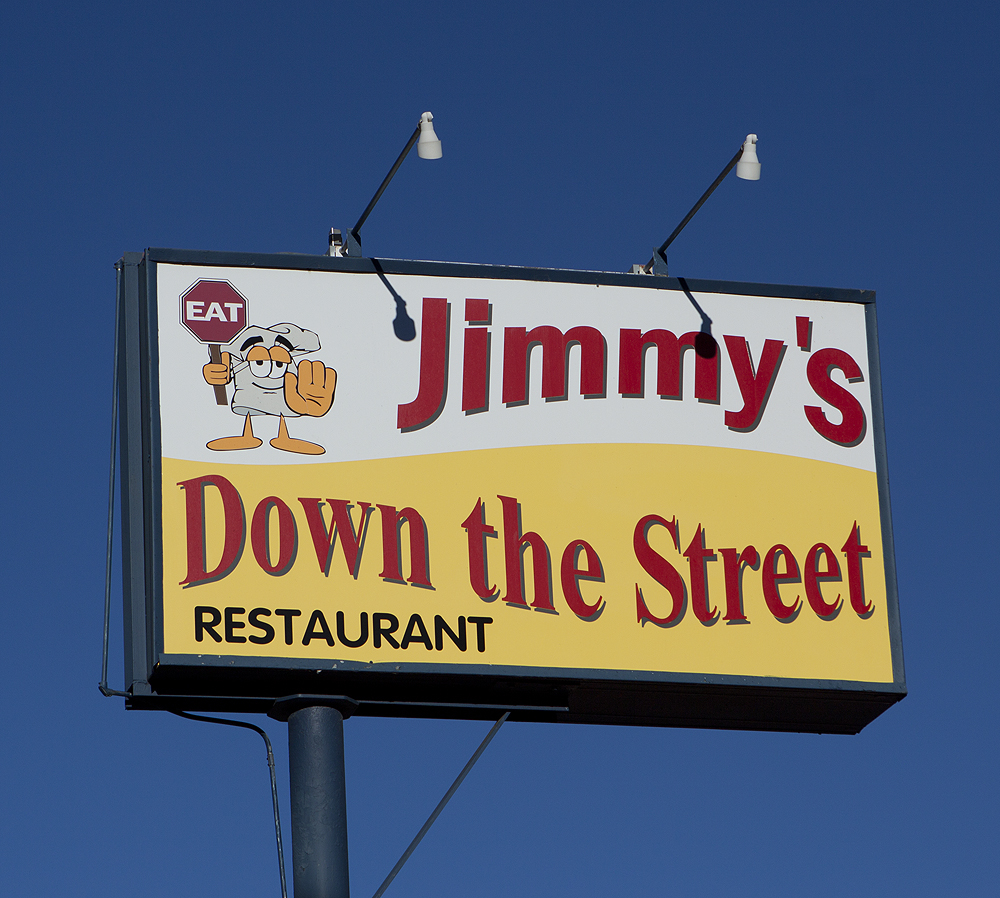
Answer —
748 168
428 145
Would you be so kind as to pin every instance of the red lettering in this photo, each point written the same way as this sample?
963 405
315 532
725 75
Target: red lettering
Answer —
194 516
773 578
698 557
392 525
325 538
514 544
814 576
855 551
733 563
755 387
661 570
432 390
852 427
571 575
476 360
518 343
477 531
633 344
260 543
803 332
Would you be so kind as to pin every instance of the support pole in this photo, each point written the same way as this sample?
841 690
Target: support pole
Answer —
319 793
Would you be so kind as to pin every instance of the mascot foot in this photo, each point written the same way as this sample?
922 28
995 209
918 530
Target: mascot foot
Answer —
289 444
303 447
246 441
223 444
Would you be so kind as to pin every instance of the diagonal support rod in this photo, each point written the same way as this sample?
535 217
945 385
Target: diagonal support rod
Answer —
663 248
106 691
385 183
437 811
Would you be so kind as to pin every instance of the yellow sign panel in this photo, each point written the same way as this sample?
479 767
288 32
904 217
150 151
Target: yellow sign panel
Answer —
576 557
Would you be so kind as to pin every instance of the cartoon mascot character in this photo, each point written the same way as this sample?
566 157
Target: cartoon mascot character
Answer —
260 363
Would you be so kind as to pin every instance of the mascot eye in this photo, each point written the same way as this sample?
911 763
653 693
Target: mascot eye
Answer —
278 369
260 367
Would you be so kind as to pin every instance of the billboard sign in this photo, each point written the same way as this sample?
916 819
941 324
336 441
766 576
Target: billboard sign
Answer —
581 496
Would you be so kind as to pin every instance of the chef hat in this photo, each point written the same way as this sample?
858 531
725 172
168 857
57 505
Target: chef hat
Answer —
302 341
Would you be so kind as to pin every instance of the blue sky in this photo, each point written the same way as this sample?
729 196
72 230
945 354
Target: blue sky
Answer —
575 136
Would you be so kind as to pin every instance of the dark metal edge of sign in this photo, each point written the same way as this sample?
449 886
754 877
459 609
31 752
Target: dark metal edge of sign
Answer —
140 474
885 509
134 616
305 262
153 462
332 667
705 705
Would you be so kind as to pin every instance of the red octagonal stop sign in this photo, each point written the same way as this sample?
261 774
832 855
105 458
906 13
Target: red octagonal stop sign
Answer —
213 311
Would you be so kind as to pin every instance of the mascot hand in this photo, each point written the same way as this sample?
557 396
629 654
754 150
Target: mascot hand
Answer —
311 391
217 374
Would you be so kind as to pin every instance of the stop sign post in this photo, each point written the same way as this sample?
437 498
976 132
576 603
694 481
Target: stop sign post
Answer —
214 312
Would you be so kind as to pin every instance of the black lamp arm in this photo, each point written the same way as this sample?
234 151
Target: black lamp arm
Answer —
732 163
385 183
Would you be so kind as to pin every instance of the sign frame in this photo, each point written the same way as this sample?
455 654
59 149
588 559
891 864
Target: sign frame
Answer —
229 683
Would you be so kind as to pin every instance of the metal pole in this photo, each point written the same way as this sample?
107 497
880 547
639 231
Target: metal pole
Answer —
319 793
319 803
